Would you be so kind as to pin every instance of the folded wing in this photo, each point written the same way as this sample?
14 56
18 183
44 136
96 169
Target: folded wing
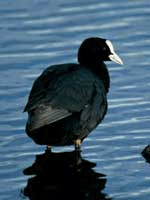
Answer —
63 90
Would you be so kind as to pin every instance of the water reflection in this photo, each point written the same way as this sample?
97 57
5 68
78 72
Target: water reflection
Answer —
57 177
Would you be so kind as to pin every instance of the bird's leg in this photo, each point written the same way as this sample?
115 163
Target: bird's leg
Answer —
77 151
49 149
77 144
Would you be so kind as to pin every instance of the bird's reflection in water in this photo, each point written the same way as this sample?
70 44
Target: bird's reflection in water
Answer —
56 177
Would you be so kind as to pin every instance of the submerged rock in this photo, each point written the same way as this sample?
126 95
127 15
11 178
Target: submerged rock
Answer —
146 153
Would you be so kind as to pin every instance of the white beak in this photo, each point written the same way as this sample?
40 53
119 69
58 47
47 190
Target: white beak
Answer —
114 57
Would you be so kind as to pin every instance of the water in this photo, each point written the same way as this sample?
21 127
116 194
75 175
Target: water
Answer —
35 34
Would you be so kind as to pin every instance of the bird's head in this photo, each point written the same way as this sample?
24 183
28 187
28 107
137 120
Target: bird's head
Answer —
96 50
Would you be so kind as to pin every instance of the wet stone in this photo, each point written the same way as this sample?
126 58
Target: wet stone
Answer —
146 153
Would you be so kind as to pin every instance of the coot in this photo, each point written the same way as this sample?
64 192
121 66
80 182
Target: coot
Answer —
67 101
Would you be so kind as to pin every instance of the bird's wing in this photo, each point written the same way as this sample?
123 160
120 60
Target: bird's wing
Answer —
57 94
45 115
47 85
65 86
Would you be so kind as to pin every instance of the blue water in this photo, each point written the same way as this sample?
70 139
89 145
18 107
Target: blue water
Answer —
38 33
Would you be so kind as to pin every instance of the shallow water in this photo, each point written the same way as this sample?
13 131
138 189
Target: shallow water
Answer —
35 34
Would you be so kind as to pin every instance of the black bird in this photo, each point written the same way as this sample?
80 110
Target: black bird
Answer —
67 101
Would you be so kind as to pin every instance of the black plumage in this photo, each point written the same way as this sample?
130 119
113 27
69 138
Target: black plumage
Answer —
68 101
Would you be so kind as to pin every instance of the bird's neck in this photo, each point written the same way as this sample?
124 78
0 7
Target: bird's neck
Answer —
101 71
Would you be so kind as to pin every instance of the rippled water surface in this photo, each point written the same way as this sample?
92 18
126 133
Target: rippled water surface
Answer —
38 33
